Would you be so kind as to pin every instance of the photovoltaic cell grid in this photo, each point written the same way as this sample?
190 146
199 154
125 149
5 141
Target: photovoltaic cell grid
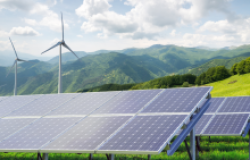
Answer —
34 136
10 126
43 105
128 102
178 100
236 104
84 103
144 133
214 104
15 102
87 134
228 124
202 123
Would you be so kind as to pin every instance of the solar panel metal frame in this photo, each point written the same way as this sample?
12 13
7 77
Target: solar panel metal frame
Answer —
241 131
223 113
111 135
130 119
81 151
170 137
37 150
40 116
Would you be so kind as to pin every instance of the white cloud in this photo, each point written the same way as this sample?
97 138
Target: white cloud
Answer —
239 29
80 36
173 33
4 34
31 22
24 31
90 8
50 19
4 45
23 5
146 19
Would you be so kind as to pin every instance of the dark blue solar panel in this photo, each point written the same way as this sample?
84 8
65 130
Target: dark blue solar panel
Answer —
84 103
10 126
128 102
144 133
87 134
177 100
43 105
214 104
37 134
236 104
15 102
202 123
231 124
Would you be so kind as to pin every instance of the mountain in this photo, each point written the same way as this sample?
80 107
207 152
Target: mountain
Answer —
8 57
26 70
91 71
67 56
126 66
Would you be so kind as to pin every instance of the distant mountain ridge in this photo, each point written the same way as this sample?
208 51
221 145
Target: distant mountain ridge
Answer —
120 67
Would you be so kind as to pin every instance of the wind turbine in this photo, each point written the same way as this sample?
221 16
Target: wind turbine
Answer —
15 64
60 44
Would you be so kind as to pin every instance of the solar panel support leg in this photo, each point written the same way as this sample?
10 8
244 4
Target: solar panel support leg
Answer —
112 157
90 156
198 147
188 150
192 143
45 156
149 156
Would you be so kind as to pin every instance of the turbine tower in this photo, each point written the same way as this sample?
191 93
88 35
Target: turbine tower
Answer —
15 64
60 44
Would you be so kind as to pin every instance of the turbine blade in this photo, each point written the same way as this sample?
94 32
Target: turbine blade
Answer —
65 45
52 47
11 68
62 26
13 47
25 61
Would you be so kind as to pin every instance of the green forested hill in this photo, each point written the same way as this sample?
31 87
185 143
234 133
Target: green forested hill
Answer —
128 66
90 71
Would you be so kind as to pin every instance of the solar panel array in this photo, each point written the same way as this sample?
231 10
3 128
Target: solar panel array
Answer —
110 122
225 116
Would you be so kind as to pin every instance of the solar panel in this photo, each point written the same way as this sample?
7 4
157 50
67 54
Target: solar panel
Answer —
10 126
236 104
128 102
86 135
3 98
178 100
228 124
84 103
15 102
144 133
34 136
214 104
43 105
202 123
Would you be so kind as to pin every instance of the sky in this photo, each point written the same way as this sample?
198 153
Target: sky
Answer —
90 25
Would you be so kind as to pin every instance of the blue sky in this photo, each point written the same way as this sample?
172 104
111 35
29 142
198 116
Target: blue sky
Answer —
90 25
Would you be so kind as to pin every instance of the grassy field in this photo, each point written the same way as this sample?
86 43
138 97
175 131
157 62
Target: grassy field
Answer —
238 85
218 148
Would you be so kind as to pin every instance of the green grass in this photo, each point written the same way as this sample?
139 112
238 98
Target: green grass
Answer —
237 85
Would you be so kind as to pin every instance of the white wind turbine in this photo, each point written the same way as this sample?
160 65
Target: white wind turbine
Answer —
60 44
15 64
